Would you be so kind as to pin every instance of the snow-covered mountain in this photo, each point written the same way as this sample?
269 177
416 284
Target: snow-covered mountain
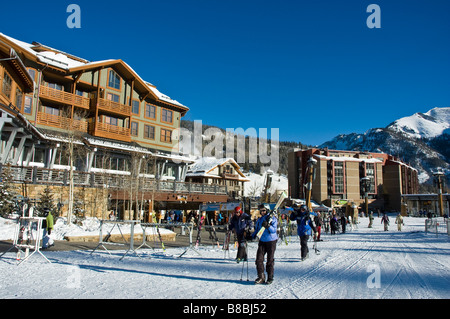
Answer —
424 125
421 140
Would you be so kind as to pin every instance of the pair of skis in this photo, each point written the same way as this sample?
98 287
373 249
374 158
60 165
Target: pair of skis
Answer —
283 196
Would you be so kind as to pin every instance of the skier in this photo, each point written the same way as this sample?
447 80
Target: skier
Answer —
318 221
333 223
241 223
305 226
399 222
266 245
343 223
47 226
385 221
370 219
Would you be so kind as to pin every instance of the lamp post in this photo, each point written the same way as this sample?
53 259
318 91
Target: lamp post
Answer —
439 182
365 183
311 163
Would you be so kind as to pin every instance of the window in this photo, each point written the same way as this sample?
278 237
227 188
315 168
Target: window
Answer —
135 107
370 172
27 104
134 128
55 86
7 83
110 120
114 80
79 93
32 73
112 97
338 177
51 110
166 116
149 132
150 111
166 135
19 98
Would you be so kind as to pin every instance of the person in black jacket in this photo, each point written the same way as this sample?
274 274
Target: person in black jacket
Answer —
242 224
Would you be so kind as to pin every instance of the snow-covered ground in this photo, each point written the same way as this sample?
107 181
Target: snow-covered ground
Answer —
362 263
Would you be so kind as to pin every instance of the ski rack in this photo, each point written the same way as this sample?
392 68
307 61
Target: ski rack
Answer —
36 247
187 226
117 223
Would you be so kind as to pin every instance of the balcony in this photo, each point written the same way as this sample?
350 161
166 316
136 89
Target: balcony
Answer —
110 131
63 97
113 107
61 122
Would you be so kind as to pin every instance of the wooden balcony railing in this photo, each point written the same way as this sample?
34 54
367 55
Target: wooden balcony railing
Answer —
110 131
61 122
64 97
113 107
38 175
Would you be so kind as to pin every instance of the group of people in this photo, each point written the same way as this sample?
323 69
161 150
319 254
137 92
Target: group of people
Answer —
243 225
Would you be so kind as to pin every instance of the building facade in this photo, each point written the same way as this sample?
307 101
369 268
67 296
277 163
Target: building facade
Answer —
218 172
97 124
338 177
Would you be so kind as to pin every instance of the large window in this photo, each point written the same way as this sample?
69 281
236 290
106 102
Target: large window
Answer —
339 177
7 83
19 98
134 128
370 172
27 105
110 120
149 132
51 110
135 107
55 86
113 80
166 135
150 111
112 97
166 116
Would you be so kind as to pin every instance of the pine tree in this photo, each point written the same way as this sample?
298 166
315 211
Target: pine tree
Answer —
46 203
8 191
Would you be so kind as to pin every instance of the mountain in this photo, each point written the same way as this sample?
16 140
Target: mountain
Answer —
421 140
424 125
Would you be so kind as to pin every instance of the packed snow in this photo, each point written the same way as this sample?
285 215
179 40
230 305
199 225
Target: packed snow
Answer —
362 263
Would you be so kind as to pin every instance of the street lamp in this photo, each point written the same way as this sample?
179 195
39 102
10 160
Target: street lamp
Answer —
365 181
311 163
439 182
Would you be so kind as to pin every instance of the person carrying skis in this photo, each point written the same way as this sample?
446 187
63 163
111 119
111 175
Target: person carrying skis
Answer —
385 221
399 222
305 227
266 245
241 223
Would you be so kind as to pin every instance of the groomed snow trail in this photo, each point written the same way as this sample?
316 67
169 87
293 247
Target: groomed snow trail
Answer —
362 263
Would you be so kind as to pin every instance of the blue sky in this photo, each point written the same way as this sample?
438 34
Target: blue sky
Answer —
313 69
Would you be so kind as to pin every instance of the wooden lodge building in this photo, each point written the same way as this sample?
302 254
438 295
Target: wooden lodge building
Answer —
116 130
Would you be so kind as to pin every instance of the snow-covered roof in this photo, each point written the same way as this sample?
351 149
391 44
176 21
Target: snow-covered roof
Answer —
69 63
204 166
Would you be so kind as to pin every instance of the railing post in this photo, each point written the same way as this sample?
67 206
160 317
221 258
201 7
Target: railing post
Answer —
34 175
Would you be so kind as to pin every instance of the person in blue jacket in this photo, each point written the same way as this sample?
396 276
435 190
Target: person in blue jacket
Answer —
305 228
267 245
242 224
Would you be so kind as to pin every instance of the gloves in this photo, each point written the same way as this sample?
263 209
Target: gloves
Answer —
265 224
